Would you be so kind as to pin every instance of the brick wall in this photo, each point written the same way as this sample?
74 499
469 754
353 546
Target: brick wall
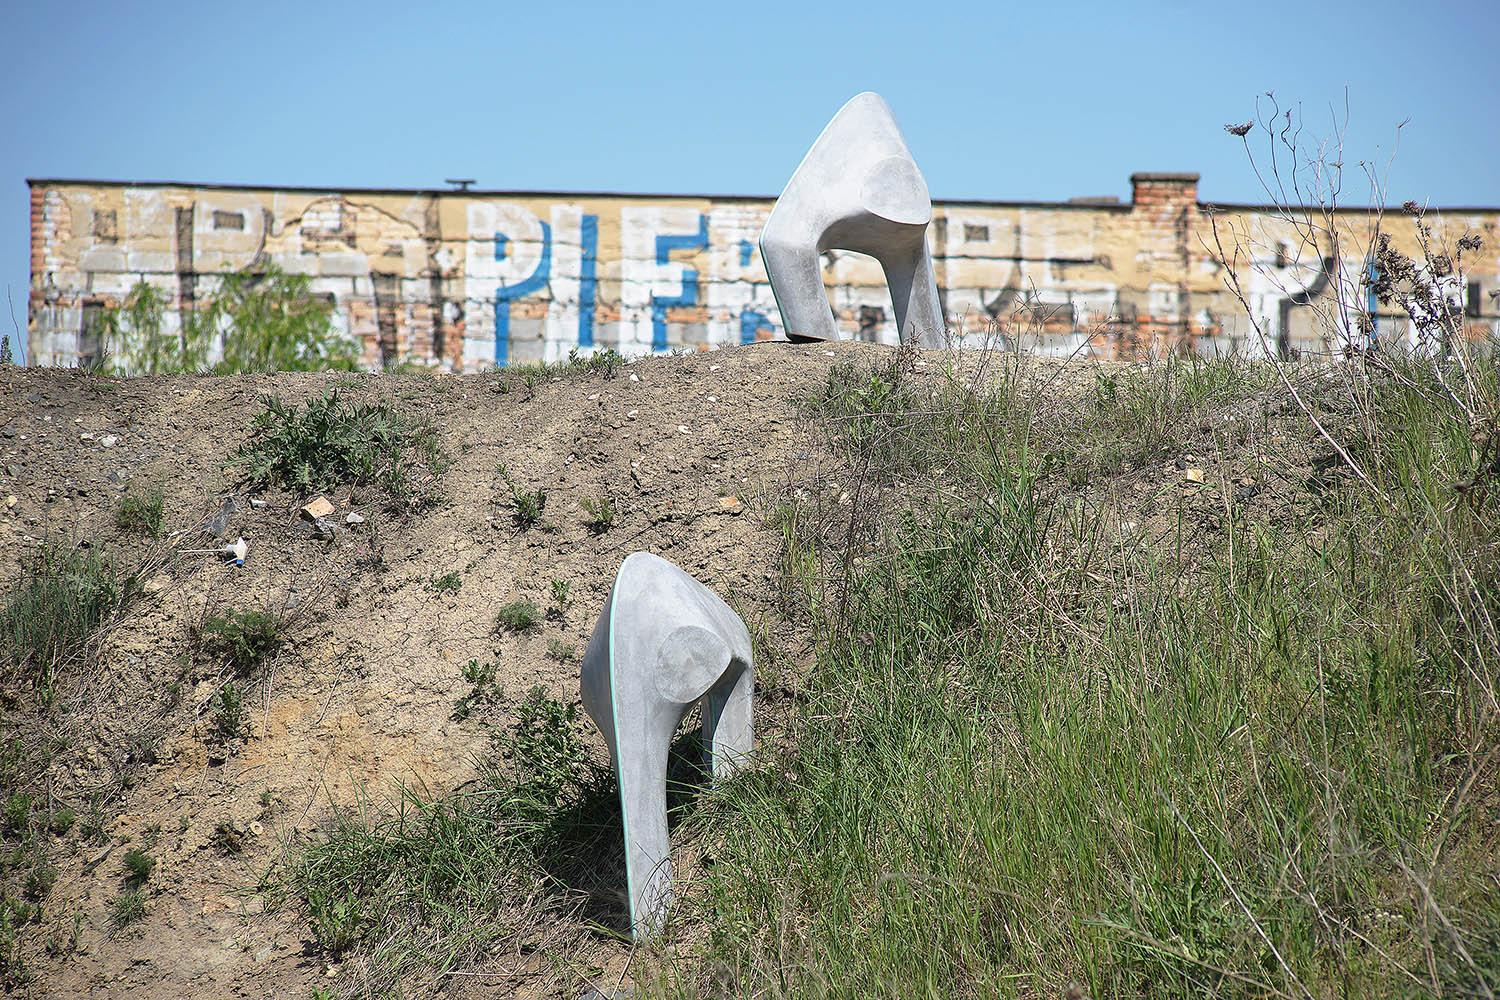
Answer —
468 280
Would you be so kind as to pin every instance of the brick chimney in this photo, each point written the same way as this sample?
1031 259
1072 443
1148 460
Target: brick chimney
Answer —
1164 191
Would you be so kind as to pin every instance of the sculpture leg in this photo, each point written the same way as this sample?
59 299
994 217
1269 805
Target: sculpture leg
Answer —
914 296
728 724
641 765
797 282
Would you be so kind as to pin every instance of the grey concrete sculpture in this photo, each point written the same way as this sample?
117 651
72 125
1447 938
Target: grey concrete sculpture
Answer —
857 188
664 643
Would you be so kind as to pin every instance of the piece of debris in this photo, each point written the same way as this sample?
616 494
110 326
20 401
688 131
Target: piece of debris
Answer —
11 501
316 508
322 529
257 503
218 525
353 518
1193 475
731 505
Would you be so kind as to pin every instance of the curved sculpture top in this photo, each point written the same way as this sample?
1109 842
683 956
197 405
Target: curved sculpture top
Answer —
858 188
663 643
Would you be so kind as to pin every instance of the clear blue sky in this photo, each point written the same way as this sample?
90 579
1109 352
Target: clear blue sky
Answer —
998 100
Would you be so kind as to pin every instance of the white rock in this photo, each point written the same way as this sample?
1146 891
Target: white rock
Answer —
109 440
353 518
634 377
632 414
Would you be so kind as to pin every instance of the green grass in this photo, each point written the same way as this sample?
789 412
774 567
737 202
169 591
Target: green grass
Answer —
141 513
1031 757
51 616
448 583
518 616
128 908
332 441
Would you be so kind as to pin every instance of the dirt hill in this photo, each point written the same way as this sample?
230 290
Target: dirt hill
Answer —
362 695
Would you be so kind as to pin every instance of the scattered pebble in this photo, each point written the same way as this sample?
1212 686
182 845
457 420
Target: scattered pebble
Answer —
109 440
682 429
353 518
632 414
634 377
1193 475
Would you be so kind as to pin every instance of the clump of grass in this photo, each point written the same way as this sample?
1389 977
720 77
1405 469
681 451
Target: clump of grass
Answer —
599 514
1244 764
139 864
526 505
128 907
606 362
242 639
332 441
519 615
425 886
141 513
51 616
562 652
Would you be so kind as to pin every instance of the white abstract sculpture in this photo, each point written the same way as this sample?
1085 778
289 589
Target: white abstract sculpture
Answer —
663 643
858 188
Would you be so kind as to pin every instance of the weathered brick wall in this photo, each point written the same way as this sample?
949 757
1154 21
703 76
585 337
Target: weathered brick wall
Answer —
473 279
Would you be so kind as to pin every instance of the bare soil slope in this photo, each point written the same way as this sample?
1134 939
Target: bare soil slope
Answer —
363 695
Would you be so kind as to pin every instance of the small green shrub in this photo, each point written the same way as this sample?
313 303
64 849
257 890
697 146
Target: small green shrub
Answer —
242 639
518 616
141 513
128 907
62 821
51 616
601 513
560 651
17 811
482 688
449 583
526 505
229 711
561 595
331 441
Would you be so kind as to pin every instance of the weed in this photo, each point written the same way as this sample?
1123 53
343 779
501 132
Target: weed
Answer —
600 513
139 864
449 583
482 688
560 651
128 907
51 616
526 505
62 821
243 640
331 441
16 812
518 616
337 924
141 514
561 597
229 711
